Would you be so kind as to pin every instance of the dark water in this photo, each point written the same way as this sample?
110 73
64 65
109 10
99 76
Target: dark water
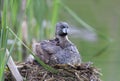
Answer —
104 16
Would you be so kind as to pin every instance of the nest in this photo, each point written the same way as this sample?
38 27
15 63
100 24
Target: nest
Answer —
35 72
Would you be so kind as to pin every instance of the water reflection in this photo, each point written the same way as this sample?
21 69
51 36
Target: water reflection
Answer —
82 33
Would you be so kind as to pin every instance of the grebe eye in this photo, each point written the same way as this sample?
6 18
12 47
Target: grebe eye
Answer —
63 26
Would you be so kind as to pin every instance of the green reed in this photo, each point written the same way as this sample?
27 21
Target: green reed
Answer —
3 40
13 14
33 13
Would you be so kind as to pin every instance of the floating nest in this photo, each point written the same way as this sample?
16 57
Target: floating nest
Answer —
35 72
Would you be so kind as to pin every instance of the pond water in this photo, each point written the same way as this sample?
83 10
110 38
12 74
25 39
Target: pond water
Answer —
104 16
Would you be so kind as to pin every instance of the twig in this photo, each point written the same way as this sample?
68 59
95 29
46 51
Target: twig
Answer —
13 68
78 77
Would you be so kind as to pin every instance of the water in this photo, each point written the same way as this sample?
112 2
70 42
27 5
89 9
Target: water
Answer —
104 16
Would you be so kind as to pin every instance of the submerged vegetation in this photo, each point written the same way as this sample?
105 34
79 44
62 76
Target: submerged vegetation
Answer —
23 21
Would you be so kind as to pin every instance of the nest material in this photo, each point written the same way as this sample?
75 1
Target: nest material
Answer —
35 72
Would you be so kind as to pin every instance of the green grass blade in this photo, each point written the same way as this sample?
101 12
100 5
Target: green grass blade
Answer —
84 24
2 53
102 50
39 7
11 49
3 39
55 12
14 10
47 67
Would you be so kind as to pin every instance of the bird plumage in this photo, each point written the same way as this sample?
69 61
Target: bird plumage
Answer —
59 50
